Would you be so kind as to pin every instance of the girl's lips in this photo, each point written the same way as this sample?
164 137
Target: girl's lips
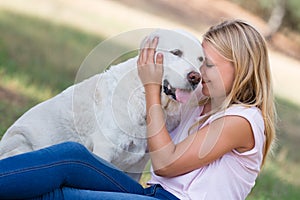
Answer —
204 82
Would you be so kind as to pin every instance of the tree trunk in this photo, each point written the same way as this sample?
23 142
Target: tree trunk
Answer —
276 17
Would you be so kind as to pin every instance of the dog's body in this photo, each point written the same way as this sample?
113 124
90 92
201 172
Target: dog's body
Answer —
106 112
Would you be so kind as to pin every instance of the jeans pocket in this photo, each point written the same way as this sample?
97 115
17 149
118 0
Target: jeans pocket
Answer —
159 192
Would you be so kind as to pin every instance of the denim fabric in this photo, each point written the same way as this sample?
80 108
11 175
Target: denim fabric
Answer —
159 192
69 171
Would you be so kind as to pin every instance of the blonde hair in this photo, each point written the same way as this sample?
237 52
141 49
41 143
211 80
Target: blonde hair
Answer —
245 47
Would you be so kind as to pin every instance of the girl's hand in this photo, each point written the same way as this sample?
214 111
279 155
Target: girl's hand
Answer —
150 73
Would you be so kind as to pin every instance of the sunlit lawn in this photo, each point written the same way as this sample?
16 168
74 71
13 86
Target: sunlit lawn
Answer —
39 59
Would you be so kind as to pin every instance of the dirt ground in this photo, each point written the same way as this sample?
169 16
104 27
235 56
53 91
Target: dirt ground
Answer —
112 17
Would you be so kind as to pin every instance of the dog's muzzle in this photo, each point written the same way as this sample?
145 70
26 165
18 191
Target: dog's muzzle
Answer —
168 89
194 78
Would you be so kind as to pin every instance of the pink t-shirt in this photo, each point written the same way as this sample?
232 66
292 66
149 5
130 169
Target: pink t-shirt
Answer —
230 177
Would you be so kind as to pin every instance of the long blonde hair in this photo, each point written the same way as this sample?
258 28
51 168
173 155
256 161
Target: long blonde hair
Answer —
245 47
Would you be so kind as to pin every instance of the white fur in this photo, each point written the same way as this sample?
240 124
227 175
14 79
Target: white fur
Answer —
106 112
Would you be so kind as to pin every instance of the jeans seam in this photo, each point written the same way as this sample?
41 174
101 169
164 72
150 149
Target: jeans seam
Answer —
152 190
64 163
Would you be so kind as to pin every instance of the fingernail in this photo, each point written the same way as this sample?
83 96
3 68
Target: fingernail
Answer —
159 55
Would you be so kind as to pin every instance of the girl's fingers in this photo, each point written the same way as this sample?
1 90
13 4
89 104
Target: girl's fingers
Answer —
147 52
159 59
154 43
144 52
148 71
152 49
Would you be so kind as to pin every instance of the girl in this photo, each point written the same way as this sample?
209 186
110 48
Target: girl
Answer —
216 152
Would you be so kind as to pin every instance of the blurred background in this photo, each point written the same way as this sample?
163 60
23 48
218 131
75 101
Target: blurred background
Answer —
44 42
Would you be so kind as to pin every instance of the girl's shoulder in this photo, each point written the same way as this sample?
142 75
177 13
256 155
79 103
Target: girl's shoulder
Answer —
250 113
239 110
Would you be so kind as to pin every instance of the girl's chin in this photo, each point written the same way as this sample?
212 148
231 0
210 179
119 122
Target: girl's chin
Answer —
205 92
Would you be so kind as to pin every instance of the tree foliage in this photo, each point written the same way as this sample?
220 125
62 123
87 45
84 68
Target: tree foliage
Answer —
265 8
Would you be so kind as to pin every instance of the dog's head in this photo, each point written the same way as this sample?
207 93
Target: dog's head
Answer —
183 57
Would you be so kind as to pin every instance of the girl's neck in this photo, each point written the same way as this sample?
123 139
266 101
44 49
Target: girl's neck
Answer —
210 104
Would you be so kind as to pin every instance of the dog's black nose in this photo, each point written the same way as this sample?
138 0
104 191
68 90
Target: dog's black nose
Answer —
194 78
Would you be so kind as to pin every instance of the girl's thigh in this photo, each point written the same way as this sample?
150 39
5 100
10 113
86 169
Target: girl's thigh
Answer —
76 194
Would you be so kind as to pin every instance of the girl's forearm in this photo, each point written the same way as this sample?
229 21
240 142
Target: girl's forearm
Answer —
160 144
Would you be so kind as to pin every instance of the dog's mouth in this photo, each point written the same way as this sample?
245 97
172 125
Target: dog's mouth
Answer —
180 95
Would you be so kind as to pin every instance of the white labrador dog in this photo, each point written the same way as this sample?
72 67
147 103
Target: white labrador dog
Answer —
106 113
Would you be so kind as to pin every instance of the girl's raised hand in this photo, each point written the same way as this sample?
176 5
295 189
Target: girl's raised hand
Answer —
149 71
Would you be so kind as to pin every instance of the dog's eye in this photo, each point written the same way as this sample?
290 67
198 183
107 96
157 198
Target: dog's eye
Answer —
201 59
177 52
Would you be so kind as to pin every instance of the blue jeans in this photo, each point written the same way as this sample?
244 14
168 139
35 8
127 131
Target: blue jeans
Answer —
69 171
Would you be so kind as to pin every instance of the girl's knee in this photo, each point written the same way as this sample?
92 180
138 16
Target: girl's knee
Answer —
70 150
72 145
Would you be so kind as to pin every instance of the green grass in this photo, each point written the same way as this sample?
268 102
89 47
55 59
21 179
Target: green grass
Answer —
279 177
271 185
39 59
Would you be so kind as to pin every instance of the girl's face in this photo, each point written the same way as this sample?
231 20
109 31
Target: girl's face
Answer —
217 73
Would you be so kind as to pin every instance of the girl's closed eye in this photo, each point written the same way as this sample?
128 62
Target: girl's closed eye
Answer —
209 64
